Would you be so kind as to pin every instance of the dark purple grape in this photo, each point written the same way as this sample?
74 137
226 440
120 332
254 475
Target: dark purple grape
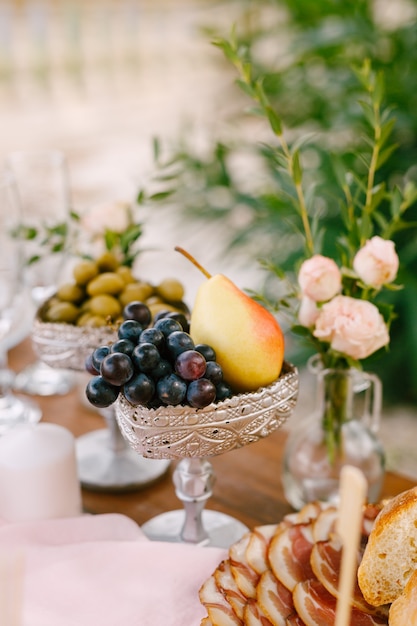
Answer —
122 345
214 372
207 351
201 393
98 355
130 330
100 393
139 312
139 389
90 367
180 317
190 365
164 368
167 326
153 335
160 315
171 390
178 342
117 368
146 357
223 391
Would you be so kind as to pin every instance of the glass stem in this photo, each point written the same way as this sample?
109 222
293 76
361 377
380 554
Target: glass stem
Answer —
193 480
117 442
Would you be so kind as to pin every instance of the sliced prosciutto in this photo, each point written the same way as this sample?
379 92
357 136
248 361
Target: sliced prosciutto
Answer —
289 554
254 615
257 548
274 599
294 620
371 511
245 576
220 613
227 585
325 524
326 558
317 607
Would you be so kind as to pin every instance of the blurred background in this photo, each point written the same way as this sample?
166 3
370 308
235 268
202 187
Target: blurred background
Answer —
102 80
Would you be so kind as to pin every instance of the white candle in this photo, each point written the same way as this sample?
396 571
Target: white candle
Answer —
38 473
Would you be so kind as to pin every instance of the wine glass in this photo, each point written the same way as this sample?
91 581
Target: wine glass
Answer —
105 460
191 435
13 409
43 188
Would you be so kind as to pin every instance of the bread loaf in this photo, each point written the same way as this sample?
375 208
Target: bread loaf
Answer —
403 611
390 557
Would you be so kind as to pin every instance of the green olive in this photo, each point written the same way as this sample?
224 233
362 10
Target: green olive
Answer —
91 321
85 271
70 292
154 300
156 307
107 282
105 306
107 262
136 291
170 290
126 274
63 312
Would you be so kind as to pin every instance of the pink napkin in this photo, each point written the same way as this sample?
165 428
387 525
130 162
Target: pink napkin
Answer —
102 570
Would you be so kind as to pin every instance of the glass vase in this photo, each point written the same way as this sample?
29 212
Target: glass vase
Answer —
342 430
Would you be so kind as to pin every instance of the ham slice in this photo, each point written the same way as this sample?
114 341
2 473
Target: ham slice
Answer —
254 616
289 554
227 585
326 557
257 548
325 524
246 578
294 620
220 613
275 599
317 607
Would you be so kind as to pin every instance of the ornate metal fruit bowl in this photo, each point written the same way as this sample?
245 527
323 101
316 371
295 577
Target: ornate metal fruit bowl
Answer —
105 461
66 345
190 436
184 432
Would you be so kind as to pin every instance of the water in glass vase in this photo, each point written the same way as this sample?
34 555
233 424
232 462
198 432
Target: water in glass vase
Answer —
342 430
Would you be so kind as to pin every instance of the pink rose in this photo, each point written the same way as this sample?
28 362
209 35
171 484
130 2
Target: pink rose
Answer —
377 262
308 312
351 326
319 278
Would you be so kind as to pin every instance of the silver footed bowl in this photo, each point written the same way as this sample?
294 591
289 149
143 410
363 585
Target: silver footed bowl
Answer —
66 345
177 432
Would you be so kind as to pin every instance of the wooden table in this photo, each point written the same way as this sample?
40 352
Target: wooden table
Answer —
248 484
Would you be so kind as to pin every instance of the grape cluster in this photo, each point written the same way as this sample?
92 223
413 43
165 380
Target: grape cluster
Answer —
155 365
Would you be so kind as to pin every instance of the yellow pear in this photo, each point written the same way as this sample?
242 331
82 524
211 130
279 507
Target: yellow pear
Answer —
247 339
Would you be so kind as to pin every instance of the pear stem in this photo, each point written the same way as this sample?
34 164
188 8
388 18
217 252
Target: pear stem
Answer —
193 260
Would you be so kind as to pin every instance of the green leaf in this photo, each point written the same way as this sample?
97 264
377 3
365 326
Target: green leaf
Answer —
385 155
297 173
274 120
248 89
377 196
396 200
386 130
161 195
33 259
140 198
369 112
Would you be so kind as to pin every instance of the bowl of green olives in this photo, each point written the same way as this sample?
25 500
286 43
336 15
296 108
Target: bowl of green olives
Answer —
87 311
